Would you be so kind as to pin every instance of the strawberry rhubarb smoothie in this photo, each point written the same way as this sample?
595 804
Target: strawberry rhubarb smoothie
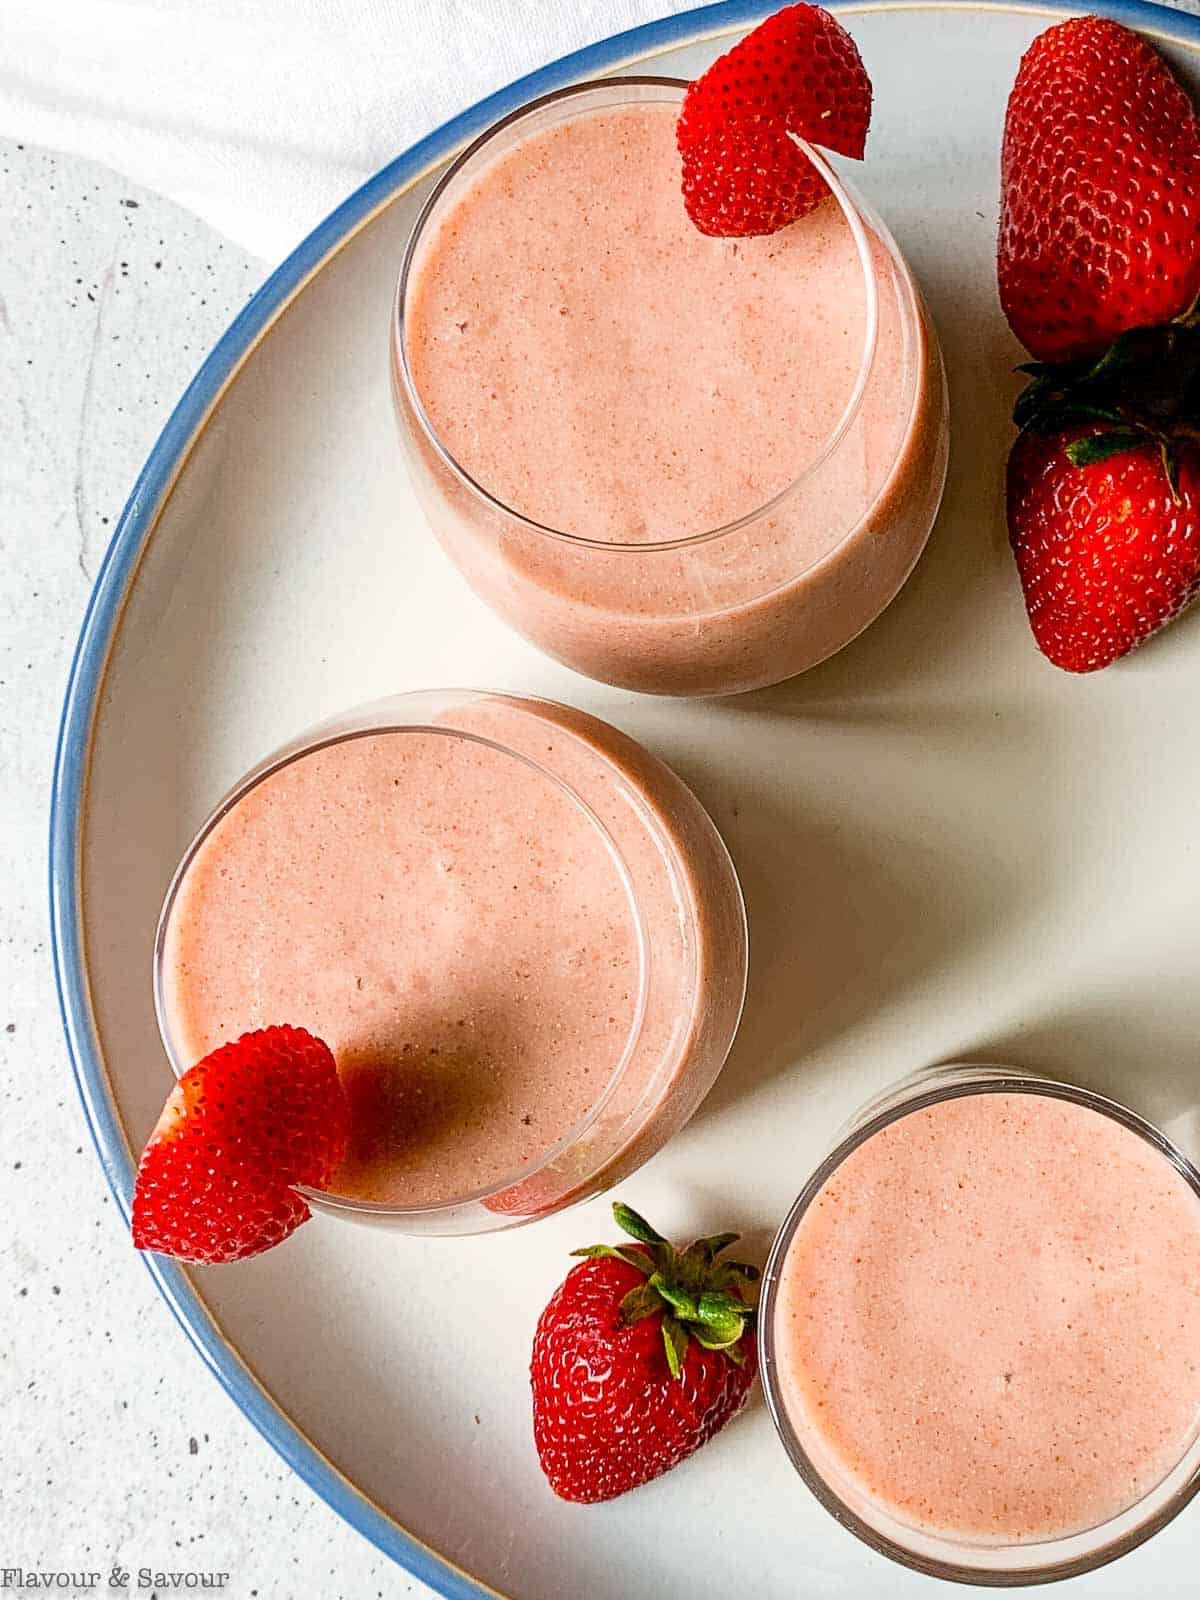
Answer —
683 464
518 932
986 1323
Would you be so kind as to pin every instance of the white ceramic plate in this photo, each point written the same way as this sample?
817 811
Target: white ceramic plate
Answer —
949 850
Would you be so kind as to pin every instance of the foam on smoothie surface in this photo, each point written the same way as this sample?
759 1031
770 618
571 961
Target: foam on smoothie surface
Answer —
603 368
446 918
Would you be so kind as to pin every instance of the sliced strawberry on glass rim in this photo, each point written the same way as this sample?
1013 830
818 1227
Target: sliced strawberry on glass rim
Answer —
797 75
239 1130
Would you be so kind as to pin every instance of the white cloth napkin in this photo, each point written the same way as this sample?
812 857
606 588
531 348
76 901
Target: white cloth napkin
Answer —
261 115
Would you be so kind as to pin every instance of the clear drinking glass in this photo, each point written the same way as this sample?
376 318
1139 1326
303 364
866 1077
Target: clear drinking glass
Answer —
739 606
998 1565
685 906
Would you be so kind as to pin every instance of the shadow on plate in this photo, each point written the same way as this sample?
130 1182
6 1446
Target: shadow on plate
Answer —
888 847
1116 1046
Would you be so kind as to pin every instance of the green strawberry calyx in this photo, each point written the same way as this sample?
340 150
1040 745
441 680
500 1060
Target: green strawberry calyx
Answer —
1144 389
698 1296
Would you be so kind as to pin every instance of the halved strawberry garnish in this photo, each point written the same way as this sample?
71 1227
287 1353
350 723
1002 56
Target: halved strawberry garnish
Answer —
237 1132
799 72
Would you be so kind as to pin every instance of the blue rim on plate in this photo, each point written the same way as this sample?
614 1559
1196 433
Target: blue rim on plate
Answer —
102 620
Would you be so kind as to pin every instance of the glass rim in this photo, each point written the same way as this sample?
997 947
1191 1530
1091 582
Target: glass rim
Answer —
1043 1567
320 737
852 208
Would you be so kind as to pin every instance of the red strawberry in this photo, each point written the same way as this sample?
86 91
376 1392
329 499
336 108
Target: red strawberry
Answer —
239 1128
799 72
1100 191
1106 552
642 1354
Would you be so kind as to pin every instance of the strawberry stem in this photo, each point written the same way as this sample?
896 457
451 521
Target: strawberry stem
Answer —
620 1252
642 1301
1094 447
675 1340
698 1297
628 1220
1143 390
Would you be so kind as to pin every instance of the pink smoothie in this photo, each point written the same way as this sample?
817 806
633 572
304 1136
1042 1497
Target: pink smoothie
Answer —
467 937
602 369
988 1321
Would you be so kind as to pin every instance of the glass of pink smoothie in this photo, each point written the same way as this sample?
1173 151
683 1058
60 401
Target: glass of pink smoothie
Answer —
680 464
517 930
980 1328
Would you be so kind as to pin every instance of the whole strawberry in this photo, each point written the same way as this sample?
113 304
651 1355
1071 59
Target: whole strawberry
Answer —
1104 494
1107 553
1100 191
238 1130
643 1353
799 72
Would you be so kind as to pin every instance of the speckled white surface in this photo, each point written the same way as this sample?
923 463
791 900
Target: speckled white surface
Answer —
119 1448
